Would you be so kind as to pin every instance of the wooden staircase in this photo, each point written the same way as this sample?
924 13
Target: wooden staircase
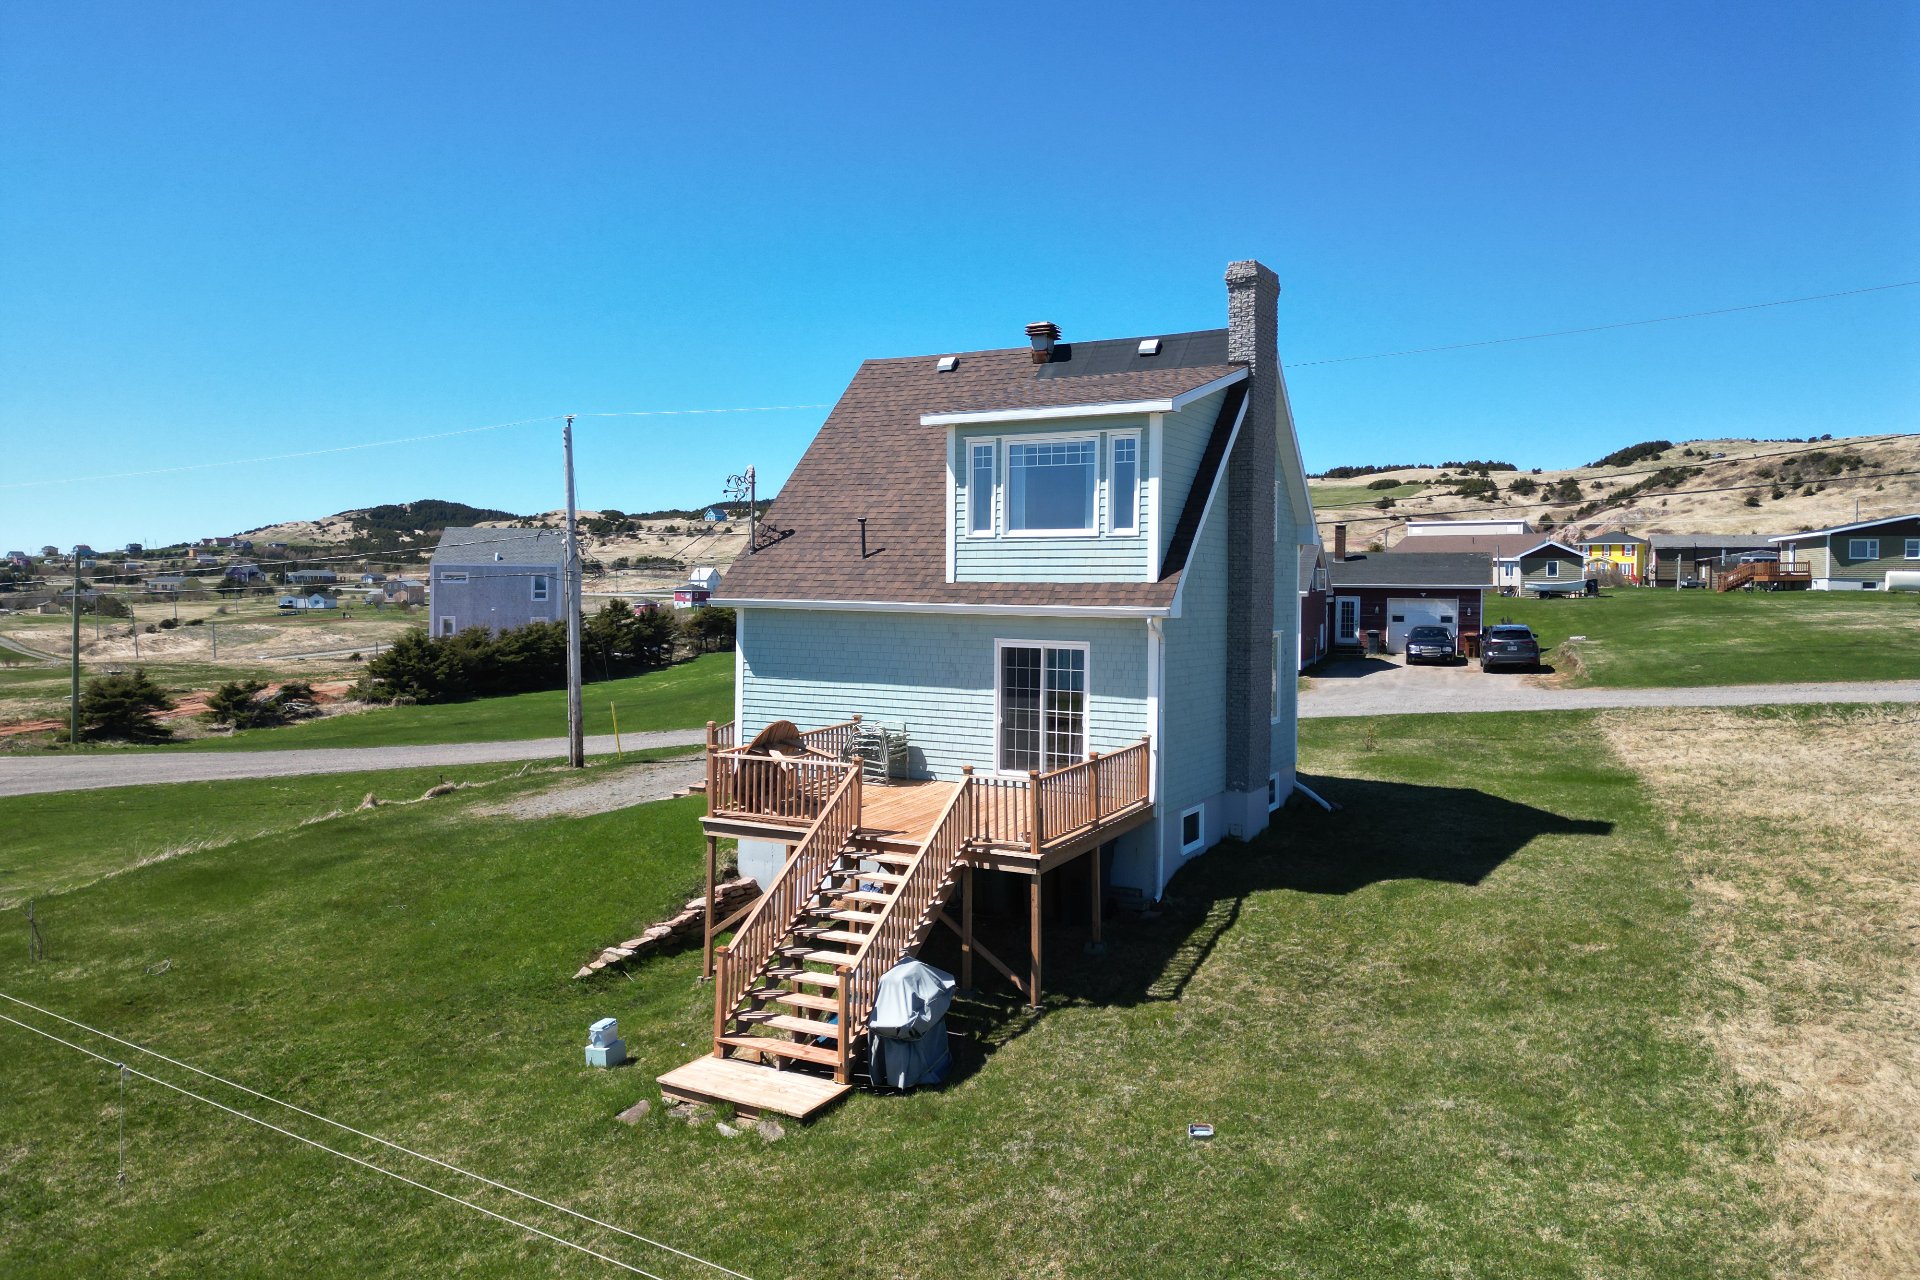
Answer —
793 991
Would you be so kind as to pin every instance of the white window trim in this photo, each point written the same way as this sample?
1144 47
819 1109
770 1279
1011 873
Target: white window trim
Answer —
1273 792
1913 549
1853 545
1199 841
1553 569
999 692
445 577
1150 489
1114 527
447 624
992 444
540 586
1005 482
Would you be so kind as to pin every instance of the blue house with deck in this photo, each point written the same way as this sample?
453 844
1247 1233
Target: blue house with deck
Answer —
1029 611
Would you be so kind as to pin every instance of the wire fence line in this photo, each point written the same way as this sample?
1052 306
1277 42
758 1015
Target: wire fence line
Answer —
346 1128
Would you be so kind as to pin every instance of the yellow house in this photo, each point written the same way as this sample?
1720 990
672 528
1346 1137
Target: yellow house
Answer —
1617 547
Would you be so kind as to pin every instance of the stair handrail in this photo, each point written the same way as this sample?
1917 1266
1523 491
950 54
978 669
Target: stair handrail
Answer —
903 923
786 900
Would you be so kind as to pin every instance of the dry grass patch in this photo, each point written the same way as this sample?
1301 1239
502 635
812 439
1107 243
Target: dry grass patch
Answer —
1801 835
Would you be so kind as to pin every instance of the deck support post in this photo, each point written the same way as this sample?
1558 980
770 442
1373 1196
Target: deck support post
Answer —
706 945
966 928
1094 945
1033 938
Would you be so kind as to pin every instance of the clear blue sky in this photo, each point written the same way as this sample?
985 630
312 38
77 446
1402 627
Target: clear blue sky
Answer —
235 230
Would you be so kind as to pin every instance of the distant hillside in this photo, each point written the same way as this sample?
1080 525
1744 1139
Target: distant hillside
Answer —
1657 486
636 552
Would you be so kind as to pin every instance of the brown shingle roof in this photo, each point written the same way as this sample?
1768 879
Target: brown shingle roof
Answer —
873 458
1501 546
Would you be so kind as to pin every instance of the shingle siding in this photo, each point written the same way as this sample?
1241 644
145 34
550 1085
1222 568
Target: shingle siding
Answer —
932 673
497 596
1183 439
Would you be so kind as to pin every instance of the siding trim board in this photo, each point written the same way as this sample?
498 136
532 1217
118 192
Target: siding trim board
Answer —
898 606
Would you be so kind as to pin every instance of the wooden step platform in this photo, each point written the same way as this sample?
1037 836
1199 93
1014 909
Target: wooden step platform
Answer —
751 1089
783 1049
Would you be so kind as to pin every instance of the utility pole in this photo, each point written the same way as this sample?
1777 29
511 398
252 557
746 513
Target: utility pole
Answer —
576 733
73 709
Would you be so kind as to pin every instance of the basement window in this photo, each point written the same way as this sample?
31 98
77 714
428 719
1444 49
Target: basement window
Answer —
1193 829
1273 792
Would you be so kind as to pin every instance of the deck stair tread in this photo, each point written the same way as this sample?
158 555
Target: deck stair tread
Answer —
889 856
838 935
799 999
862 917
806 976
784 1049
864 895
842 958
801 1026
713 1079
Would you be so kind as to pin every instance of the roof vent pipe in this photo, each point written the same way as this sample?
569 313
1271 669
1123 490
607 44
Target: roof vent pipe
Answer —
1043 334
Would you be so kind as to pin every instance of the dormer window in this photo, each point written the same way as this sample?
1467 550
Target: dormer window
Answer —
980 487
1050 485
1123 471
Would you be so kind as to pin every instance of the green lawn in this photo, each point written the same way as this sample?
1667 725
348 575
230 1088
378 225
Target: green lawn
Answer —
1343 494
684 696
1646 638
1452 1030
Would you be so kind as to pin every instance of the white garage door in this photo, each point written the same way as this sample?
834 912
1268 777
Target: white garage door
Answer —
1404 615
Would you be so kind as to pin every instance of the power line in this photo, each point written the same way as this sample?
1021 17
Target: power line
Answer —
1602 328
381 444
499 1186
332 1151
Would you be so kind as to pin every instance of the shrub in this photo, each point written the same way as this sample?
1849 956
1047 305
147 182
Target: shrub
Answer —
1383 484
124 707
1523 486
1634 453
1753 499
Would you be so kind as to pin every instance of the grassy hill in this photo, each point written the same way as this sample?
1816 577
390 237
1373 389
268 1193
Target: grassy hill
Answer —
1759 486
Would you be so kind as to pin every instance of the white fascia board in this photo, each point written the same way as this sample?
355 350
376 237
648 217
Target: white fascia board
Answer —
908 606
1104 409
1213 491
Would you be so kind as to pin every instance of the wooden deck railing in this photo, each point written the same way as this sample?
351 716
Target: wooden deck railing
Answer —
780 907
1766 573
831 740
925 885
722 736
781 788
1043 808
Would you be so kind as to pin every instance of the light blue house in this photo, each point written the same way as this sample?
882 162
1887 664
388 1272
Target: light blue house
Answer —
1066 575
1030 557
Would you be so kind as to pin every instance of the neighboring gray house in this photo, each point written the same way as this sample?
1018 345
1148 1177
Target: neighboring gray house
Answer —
312 577
496 578
1025 558
1868 555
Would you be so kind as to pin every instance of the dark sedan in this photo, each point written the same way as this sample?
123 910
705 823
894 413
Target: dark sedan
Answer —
1429 644
1509 645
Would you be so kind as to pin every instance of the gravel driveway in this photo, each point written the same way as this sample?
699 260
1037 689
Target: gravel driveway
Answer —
32 775
1386 687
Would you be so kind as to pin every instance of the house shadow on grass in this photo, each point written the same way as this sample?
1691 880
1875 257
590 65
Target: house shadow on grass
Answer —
1384 831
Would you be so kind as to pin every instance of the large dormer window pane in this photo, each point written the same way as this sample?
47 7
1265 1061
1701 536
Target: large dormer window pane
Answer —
1050 486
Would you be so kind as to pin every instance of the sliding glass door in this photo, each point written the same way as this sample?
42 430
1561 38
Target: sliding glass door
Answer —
1042 701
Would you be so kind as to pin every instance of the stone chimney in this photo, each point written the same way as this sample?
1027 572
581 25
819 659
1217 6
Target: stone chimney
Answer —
1340 542
1253 305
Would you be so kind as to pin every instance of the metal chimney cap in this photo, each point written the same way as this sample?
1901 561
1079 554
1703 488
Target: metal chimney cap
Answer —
1043 334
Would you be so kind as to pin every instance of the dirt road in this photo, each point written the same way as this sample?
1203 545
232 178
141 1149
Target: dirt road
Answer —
35 775
1386 687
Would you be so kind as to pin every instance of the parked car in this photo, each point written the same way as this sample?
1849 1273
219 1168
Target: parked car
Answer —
1509 645
1690 584
1760 557
1429 644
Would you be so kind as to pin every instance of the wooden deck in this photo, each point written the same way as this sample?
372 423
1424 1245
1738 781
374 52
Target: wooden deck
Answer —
904 812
